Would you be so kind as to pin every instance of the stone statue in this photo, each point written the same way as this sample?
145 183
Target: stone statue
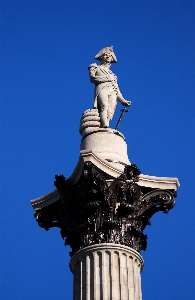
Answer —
106 88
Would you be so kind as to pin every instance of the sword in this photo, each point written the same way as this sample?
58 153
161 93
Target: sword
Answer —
123 111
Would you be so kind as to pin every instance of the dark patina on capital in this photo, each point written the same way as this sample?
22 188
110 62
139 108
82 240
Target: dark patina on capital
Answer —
96 210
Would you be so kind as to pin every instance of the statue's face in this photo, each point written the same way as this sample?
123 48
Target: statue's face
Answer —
107 57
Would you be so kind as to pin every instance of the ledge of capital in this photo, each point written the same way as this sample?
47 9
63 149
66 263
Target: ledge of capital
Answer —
115 168
106 247
45 200
112 168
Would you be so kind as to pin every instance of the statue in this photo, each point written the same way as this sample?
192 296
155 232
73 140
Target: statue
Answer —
106 88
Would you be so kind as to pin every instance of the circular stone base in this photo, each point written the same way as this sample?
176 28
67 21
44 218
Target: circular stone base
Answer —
108 143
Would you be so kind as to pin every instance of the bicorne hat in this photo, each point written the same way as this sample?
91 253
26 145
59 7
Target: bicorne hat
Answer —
106 50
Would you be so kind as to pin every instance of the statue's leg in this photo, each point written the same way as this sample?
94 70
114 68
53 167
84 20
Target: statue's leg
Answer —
103 103
111 105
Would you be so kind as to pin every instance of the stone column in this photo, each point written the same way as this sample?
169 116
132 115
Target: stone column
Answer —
107 271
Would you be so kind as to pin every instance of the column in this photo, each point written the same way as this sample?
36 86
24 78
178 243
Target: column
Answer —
107 272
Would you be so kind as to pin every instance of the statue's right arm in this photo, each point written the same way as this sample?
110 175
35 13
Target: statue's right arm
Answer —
96 78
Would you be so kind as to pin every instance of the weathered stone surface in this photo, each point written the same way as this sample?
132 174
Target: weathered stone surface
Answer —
96 210
90 121
106 87
108 144
107 271
114 169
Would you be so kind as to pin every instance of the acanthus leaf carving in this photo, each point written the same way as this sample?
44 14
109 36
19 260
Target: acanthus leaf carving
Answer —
93 211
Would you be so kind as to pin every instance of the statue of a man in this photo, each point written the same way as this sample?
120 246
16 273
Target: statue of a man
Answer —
106 88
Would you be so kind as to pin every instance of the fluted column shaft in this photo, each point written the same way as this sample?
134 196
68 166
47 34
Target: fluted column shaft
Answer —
107 272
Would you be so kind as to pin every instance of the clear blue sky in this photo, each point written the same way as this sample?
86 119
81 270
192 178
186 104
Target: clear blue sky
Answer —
46 47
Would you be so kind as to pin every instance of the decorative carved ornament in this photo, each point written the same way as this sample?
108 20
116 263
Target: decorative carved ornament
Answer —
95 211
